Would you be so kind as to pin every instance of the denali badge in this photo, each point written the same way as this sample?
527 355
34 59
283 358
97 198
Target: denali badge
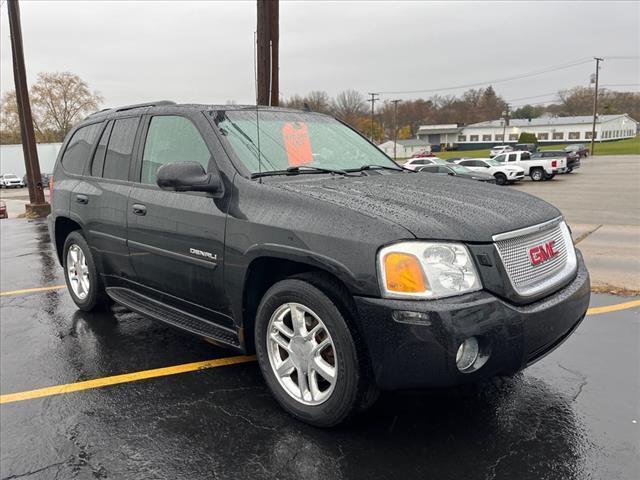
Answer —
541 253
200 253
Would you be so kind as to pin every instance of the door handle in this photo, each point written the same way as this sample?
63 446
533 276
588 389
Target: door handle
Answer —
83 199
139 209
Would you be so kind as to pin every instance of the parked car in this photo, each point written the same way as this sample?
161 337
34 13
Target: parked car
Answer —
3 210
415 163
502 173
45 177
344 273
526 147
573 159
536 168
9 180
578 148
499 149
458 171
423 153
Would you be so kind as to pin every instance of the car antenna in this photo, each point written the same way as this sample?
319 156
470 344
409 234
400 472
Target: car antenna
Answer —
255 74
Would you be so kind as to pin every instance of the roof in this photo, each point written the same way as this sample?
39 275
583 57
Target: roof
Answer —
442 128
543 121
412 142
192 106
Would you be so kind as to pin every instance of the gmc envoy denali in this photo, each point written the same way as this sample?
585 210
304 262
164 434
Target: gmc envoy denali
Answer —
288 234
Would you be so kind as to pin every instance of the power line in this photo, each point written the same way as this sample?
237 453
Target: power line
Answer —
573 63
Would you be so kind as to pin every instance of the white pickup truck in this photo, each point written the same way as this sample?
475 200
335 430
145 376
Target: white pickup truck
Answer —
538 168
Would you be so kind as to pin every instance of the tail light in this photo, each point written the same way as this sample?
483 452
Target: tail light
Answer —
554 163
51 189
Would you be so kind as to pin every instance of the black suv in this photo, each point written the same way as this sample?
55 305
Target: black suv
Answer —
287 233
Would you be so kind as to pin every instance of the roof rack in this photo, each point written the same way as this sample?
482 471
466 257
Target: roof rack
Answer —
147 104
159 103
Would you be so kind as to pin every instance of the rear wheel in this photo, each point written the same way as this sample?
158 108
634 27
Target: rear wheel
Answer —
537 174
549 177
307 354
80 273
501 178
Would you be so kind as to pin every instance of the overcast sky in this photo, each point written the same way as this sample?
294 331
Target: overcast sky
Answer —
203 51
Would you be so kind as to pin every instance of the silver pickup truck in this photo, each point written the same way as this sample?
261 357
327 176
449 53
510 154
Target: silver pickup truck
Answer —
536 168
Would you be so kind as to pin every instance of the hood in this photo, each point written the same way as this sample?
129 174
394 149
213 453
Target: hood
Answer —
429 206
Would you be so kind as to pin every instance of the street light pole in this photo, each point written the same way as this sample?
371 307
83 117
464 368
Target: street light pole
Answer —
595 105
505 119
395 126
37 206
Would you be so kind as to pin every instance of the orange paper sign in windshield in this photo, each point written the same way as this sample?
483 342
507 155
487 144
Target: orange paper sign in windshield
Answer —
297 143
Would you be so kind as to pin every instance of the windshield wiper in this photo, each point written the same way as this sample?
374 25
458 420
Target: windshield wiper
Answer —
399 168
299 169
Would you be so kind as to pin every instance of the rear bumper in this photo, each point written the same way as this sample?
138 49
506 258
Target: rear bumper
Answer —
418 351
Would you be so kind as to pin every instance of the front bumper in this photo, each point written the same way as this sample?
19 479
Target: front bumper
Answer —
418 351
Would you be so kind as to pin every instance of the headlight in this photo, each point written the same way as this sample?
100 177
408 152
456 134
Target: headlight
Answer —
426 270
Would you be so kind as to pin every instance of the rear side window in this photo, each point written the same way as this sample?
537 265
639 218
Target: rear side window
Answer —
118 156
525 156
171 139
101 150
77 153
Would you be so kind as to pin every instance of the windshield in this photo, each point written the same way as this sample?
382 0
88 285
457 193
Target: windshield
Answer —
459 168
296 139
10 177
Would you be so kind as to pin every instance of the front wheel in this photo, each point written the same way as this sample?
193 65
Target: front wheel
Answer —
537 174
307 354
501 178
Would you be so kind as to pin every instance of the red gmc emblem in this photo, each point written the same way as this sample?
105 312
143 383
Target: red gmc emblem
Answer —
541 253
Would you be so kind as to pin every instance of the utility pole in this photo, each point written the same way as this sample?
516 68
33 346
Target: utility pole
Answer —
267 52
374 97
395 126
505 120
595 105
37 206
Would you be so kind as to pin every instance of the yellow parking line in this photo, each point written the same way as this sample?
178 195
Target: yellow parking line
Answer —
613 308
184 368
31 290
124 378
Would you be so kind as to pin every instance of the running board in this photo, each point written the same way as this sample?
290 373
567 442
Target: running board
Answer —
177 318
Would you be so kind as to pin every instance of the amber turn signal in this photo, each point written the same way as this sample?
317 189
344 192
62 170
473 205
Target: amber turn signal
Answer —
404 273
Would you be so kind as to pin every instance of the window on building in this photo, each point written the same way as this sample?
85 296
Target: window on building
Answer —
473 138
77 152
513 137
462 138
543 136
558 135
486 138
498 137
171 139
574 135
118 156
587 135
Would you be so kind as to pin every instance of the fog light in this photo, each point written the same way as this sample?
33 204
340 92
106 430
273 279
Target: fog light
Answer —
467 354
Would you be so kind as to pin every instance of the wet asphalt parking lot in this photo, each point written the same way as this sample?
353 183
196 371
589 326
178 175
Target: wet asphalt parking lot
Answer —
574 414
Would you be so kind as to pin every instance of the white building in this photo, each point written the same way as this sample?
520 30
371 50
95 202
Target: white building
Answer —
547 129
404 148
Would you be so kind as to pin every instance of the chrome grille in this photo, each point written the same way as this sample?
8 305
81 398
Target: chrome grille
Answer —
514 249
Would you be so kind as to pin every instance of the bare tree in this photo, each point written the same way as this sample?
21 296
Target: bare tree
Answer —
61 99
9 121
349 105
319 101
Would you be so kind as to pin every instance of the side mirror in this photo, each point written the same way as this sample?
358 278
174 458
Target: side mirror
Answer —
187 177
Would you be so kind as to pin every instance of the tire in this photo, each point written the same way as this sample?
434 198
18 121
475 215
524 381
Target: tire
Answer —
549 177
94 295
569 170
501 178
537 174
334 402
